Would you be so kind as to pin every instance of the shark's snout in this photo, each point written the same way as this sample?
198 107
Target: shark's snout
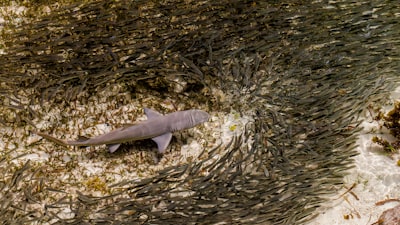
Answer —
201 116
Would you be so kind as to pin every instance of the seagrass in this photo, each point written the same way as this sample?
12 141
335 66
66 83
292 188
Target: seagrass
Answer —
305 71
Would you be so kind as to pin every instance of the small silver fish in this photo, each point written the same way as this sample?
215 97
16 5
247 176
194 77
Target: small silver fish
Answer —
158 127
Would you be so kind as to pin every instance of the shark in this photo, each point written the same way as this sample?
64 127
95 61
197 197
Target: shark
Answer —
158 127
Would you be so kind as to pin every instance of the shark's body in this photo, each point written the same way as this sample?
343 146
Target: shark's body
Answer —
157 127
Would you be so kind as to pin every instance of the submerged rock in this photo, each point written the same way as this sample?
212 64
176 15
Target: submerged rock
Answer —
389 217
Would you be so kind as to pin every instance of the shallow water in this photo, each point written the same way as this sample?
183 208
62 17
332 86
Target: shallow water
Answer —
300 74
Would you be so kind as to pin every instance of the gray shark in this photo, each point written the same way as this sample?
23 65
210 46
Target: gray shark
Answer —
158 127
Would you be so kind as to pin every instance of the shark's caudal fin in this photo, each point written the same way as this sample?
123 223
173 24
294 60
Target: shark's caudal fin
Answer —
51 138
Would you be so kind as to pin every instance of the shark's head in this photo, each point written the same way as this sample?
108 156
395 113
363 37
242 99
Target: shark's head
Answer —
199 116
187 119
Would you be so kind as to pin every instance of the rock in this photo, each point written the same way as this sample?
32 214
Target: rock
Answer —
390 217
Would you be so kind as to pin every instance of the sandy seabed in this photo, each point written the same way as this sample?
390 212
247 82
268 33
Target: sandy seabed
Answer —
373 182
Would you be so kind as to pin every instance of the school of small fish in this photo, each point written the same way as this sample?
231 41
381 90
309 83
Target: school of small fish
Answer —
279 91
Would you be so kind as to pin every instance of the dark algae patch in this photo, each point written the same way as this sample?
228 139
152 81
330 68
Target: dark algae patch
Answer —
391 121
303 72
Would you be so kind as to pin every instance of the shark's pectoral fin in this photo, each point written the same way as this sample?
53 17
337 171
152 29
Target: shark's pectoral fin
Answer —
113 147
162 141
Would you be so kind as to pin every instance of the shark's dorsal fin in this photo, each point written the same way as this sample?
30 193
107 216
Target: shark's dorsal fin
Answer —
151 113
82 138
162 141
79 142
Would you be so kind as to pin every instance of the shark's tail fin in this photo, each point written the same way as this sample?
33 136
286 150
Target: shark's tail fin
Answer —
51 138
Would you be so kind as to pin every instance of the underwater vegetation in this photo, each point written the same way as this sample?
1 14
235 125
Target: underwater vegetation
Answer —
391 121
302 78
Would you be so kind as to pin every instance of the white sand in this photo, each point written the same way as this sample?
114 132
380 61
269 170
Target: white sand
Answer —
376 178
